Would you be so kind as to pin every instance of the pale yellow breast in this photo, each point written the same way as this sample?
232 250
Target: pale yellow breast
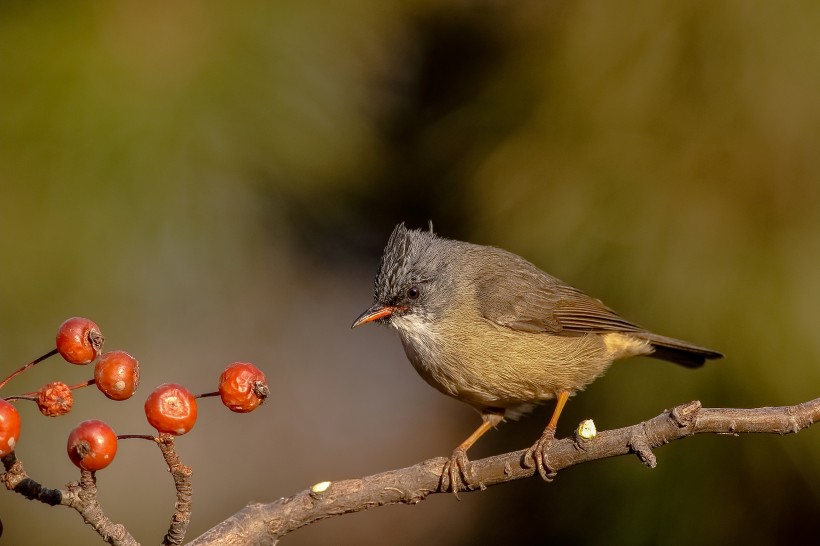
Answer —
489 365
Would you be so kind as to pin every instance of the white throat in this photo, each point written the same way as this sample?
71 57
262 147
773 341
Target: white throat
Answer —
421 343
414 329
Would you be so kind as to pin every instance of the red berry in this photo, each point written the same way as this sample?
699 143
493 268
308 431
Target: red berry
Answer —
9 427
54 399
92 445
79 340
117 375
242 387
171 408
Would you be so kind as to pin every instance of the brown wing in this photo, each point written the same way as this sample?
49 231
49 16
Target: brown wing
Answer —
523 297
518 295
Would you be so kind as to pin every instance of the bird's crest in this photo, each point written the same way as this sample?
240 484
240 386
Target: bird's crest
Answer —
401 255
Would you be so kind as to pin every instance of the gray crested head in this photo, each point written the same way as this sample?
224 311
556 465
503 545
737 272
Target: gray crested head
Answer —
410 280
405 261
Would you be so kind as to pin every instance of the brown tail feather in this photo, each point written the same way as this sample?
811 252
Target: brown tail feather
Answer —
679 352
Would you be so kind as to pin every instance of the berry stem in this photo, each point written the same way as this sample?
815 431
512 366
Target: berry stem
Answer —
27 366
207 394
30 396
33 395
83 384
137 437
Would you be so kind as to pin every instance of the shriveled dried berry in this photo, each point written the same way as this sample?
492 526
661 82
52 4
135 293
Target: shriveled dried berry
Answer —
54 399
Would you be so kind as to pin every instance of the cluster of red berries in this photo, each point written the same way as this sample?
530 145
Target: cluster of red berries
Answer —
170 408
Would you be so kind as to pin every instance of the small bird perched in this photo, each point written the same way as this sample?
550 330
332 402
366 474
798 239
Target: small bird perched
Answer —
487 327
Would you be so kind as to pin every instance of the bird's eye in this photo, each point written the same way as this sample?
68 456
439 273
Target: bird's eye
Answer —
413 293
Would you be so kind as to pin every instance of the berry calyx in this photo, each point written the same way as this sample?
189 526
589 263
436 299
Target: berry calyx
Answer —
92 445
9 427
171 408
54 399
242 387
79 340
117 375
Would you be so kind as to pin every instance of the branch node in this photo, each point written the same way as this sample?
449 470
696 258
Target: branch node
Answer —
798 419
317 490
685 414
640 446
584 435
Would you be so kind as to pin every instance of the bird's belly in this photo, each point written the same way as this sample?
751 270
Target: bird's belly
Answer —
504 368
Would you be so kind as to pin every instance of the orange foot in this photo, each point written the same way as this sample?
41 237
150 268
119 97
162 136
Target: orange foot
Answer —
537 455
456 474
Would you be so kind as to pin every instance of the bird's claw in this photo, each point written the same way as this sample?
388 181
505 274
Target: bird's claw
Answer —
457 473
537 456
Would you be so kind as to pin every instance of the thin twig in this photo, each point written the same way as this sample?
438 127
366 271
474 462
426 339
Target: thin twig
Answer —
182 482
88 383
27 366
29 397
207 394
137 437
33 394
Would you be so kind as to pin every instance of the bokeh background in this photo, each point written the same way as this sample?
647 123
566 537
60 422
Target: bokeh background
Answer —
215 182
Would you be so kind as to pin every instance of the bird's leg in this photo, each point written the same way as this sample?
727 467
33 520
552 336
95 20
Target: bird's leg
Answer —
454 475
537 454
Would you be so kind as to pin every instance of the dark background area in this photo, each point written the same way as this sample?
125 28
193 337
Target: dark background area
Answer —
216 183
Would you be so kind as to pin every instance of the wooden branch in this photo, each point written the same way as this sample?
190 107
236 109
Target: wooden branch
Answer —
266 523
182 483
81 496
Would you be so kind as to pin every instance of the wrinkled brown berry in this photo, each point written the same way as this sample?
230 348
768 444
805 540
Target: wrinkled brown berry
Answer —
54 399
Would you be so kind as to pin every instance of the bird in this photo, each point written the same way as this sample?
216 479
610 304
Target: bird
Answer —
487 327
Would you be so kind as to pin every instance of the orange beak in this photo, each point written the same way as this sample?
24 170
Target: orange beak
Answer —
376 312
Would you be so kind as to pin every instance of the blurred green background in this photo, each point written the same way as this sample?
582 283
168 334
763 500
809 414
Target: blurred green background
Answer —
214 182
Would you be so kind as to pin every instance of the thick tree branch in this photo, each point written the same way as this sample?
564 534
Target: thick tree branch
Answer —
266 523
